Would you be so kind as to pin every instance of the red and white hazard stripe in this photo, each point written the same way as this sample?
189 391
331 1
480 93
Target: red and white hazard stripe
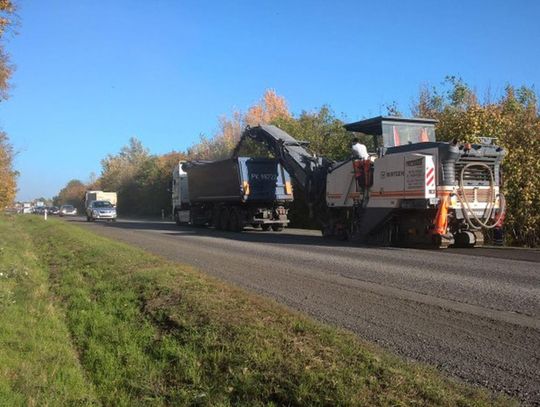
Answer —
430 177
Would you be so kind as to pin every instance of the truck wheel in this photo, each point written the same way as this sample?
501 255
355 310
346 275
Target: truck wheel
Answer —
224 219
216 219
235 223
326 232
265 227
276 227
255 225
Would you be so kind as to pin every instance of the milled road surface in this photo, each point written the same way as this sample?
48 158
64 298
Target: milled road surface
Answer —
474 314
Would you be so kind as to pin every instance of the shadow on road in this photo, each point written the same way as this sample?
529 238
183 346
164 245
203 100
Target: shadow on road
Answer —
248 235
295 237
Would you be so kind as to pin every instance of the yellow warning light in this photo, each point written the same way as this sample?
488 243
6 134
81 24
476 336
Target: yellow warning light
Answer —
245 185
288 188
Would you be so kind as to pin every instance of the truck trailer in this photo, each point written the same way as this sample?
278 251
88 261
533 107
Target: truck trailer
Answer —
231 194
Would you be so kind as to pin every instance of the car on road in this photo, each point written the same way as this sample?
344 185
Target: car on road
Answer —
67 210
98 210
53 210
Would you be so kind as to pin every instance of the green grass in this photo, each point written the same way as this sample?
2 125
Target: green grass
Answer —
97 321
38 363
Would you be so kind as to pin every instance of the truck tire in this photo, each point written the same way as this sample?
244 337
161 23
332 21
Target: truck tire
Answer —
224 219
276 227
265 227
235 222
216 220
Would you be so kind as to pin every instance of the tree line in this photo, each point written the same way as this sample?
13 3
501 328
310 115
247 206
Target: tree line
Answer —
8 175
142 179
513 119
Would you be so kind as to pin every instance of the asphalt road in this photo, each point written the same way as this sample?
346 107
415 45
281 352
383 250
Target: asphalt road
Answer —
474 314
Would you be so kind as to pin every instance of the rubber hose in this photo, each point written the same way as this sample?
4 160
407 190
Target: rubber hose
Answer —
466 206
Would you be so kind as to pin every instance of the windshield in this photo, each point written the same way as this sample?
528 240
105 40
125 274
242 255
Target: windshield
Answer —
68 207
102 204
403 134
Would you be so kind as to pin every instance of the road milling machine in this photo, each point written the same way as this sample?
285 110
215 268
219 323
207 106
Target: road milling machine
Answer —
413 191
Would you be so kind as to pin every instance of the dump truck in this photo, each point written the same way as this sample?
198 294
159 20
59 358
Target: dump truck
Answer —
412 191
232 194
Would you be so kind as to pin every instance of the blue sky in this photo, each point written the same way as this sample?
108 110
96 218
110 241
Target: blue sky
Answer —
91 74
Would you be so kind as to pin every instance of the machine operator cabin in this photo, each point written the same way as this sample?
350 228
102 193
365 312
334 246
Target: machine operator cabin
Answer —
390 131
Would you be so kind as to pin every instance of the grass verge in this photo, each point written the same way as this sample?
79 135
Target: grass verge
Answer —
38 364
143 331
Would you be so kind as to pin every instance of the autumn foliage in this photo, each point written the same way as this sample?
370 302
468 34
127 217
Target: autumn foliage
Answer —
267 110
514 121
72 194
7 12
140 179
8 176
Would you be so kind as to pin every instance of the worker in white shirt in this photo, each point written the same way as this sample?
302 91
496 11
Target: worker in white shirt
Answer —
359 150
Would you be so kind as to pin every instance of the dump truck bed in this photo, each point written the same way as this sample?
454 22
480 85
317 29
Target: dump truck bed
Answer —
241 179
